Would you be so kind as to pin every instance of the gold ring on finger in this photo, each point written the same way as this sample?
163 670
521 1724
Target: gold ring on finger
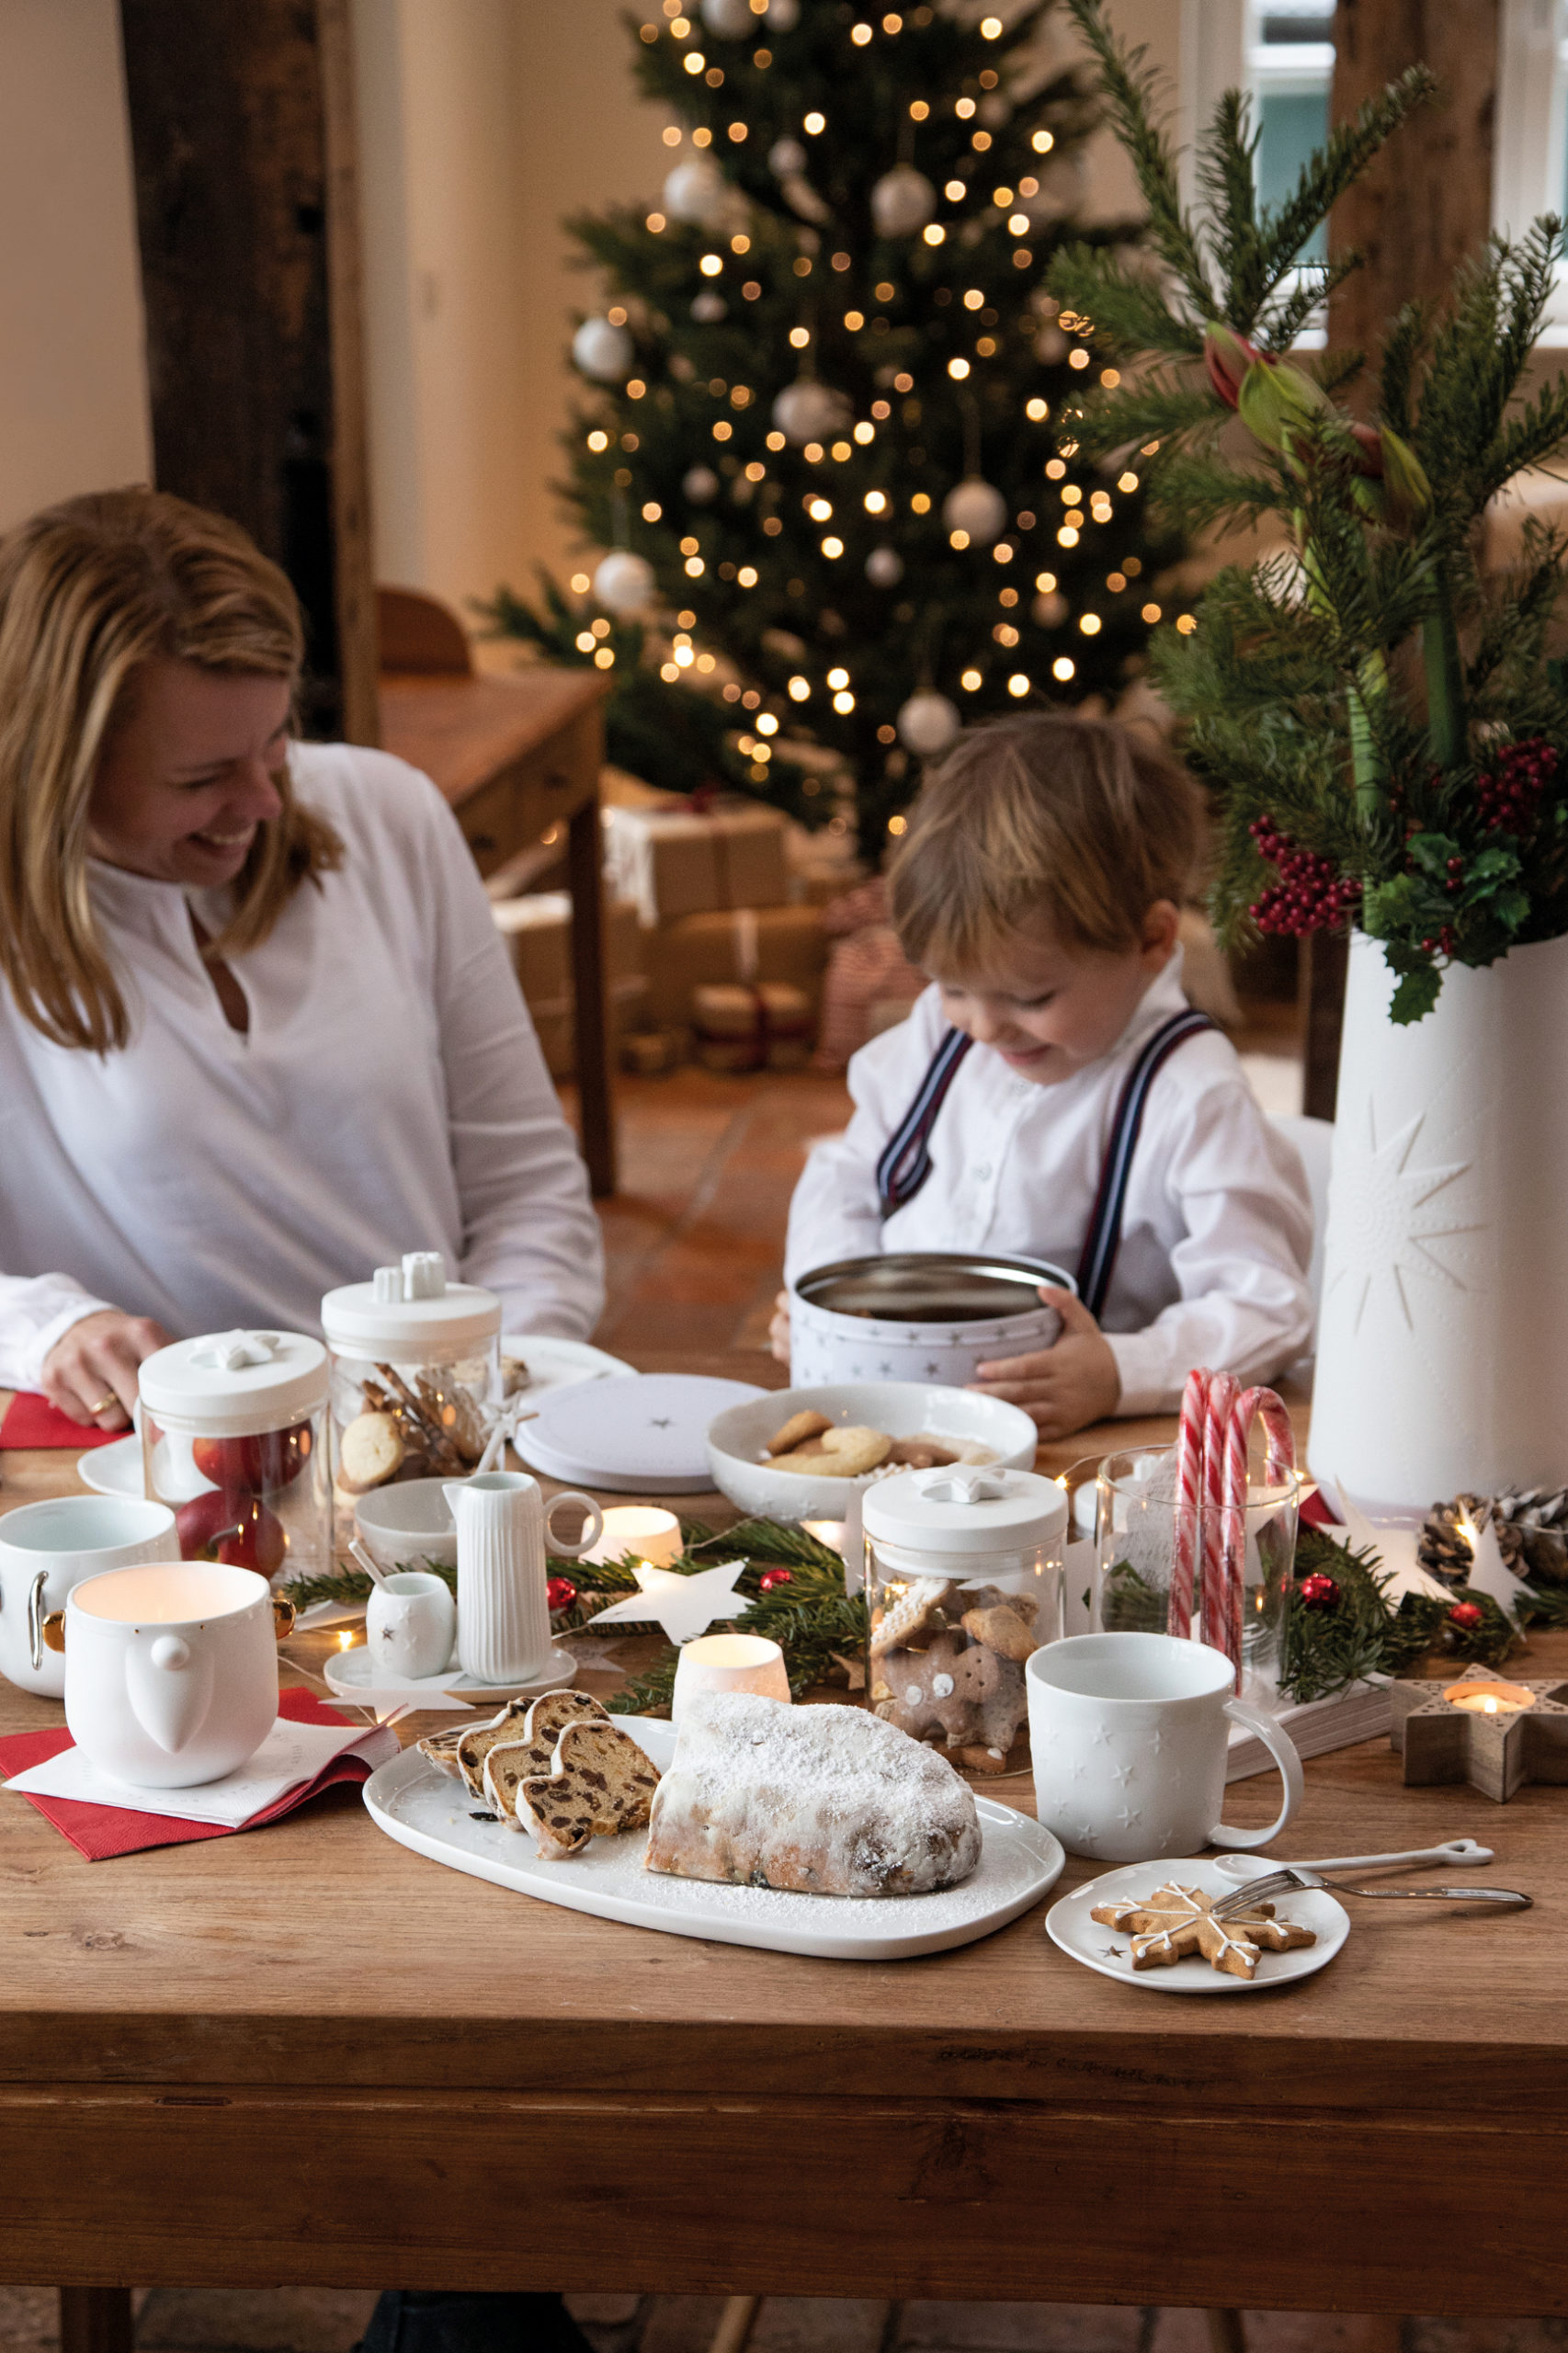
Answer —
102 1406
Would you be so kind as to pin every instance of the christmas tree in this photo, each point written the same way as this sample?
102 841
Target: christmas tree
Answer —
822 437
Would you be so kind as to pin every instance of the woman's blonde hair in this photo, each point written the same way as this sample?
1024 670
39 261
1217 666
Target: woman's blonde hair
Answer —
90 592
1082 820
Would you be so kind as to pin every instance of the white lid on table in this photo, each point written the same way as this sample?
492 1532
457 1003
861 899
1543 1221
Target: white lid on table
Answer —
648 1435
410 1308
965 1509
234 1384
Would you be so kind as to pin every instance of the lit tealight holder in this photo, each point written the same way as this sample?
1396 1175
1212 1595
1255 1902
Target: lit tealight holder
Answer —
729 1663
639 1531
1490 1699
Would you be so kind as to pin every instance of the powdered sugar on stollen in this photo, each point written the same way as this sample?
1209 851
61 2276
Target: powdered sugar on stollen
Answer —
820 1801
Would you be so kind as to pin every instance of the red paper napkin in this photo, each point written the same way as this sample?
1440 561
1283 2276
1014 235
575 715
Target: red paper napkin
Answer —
100 1831
32 1420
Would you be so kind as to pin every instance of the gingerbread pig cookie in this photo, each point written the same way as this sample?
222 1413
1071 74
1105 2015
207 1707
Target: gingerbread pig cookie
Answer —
964 1692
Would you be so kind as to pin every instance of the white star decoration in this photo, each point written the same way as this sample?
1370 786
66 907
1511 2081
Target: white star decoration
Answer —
684 1607
1378 1201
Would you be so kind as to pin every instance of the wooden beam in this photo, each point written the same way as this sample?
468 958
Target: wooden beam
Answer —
1424 207
242 136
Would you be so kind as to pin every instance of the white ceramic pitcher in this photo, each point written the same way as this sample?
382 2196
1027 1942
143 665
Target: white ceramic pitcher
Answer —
502 1608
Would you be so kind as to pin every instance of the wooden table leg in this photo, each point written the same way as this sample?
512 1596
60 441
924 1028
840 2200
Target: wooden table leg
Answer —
1226 2334
584 861
736 2323
96 2320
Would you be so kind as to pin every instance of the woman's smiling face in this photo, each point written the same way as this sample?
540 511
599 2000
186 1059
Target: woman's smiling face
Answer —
187 775
1048 1010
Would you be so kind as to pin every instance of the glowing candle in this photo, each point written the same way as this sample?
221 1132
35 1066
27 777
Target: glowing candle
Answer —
729 1663
1490 1699
653 1536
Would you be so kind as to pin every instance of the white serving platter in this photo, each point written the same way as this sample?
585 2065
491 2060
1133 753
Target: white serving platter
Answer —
1109 1950
432 1814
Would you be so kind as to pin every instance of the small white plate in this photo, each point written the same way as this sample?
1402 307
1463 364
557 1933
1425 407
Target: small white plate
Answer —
428 1812
1102 1948
113 1470
350 1673
561 1364
643 1437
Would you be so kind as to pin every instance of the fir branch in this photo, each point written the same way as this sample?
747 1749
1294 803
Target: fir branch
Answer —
1335 165
1128 307
1278 324
1132 90
1227 173
1156 406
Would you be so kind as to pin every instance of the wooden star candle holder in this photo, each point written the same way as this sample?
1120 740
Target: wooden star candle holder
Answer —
1495 1751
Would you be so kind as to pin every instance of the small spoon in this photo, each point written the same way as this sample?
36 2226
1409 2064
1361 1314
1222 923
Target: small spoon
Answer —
1462 1851
365 1561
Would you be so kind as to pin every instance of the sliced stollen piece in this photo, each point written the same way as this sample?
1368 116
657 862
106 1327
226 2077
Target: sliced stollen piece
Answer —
825 1800
600 1783
441 1749
512 1760
477 1741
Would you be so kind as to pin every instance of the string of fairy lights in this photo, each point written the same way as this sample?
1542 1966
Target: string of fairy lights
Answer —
852 506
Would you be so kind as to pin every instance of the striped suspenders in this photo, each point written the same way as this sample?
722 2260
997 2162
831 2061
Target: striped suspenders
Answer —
906 1163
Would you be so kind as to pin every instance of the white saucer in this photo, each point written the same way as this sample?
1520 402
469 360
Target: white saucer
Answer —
350 1673
648 1436
1107 1950
113 1470
561 1364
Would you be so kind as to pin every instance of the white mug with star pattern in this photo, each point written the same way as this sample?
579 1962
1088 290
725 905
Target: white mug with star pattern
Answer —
1129 1737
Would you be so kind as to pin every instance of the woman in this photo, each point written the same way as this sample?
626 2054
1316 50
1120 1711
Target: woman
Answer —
258 1034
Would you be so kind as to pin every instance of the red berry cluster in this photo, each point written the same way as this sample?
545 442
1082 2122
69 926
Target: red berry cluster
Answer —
1510 795
1311 895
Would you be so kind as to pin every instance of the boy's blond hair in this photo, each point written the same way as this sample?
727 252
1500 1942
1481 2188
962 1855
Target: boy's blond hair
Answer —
1080 820
91 591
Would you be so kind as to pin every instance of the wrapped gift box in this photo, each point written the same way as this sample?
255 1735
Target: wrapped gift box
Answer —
676 863
538 929
763 1024
777 944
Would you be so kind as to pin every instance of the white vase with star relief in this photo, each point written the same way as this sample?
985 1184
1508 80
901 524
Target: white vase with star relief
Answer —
1442 1357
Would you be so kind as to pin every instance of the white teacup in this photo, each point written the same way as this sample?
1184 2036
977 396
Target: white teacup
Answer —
411 1623
46 1549
171 1670
1128 1734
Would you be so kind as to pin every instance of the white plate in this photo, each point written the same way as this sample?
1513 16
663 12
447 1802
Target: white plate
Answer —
349 1674
561 1364
113 1470
1098 1947
427 1811
642 1437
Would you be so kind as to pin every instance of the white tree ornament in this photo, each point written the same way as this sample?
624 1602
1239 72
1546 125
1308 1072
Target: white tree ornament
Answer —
709 308
603 351
785 157
977 508
699 486
623 583
697 191
729 19
902 201
927 723
884 567
812 412
782 16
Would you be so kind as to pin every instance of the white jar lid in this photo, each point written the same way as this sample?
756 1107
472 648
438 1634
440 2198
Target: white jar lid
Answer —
232 1384
409 1309
964 1508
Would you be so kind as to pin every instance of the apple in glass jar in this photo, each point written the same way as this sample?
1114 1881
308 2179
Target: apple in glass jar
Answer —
232 1527
268 1458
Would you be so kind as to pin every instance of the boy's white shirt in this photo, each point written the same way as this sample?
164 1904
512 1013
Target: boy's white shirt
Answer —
1218 1229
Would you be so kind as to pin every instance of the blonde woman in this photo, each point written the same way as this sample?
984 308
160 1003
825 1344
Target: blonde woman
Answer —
257 1032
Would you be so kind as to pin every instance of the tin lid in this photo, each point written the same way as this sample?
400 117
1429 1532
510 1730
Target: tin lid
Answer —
410 1308
932 1286
965 1509
232 1384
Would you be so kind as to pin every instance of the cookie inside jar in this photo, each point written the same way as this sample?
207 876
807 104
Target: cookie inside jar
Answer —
963 1581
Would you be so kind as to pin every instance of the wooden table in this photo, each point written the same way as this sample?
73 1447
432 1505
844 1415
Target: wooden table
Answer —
519 757
307 2056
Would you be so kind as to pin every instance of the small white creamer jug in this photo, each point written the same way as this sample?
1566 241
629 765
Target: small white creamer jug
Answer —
502 1608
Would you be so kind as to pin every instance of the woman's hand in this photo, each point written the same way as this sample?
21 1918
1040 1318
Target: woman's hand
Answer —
778 1330
1063 1387
90 1372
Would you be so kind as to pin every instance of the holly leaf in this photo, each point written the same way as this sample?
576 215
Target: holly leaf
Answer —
1431 853
1389 908
1492 864
1417 992
1511 907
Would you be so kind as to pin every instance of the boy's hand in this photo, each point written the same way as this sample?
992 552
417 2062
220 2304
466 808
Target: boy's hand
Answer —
778 1330
1063 1387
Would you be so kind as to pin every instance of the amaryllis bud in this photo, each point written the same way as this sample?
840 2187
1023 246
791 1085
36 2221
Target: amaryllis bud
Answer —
1276 399
1407 494
1227 356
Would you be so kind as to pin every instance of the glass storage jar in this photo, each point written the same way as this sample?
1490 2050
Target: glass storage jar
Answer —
415 1376
963 1580
233 1440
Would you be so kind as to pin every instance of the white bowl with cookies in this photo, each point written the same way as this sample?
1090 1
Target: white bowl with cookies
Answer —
810 1454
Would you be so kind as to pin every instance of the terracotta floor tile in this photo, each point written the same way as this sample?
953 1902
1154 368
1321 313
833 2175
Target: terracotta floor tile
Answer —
1020 2328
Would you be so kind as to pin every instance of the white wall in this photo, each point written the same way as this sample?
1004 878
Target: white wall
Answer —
73 374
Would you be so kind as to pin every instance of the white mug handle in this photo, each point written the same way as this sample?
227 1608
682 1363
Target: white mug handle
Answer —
1282 1748
593 1528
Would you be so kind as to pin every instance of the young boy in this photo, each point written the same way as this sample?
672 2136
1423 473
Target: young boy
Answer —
1052 1094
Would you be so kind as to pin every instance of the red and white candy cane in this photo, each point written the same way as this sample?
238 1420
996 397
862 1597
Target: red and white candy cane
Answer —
1188 1502
1223 1389
1254 1405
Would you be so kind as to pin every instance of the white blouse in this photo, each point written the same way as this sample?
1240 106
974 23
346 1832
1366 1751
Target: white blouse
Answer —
1218 1228
389 1095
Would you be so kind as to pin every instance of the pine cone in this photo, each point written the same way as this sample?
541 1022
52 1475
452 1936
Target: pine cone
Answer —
1440 1548
1532 1532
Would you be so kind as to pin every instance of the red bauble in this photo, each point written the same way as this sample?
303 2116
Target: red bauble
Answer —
1466 1616
561 1593
772 1578
1319 1592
